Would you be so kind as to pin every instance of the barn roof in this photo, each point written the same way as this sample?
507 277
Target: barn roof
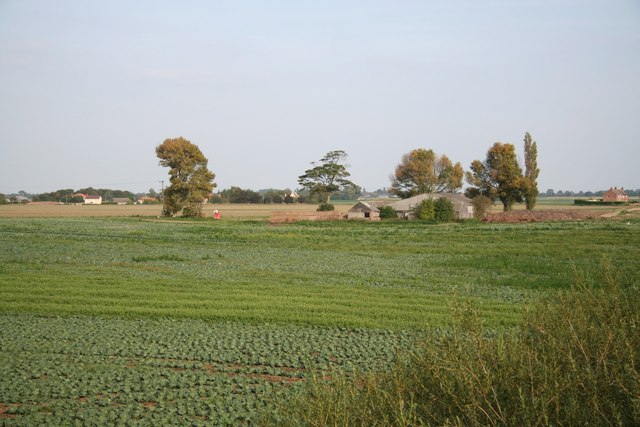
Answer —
363 206
616 190
412 202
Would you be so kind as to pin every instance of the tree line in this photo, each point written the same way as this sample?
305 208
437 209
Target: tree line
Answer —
277 196
498 176
69 195
570 193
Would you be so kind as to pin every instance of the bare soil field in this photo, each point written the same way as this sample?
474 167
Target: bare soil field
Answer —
544 212
566 213
541 215
232 211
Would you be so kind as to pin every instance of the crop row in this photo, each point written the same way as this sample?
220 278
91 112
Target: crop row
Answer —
107 370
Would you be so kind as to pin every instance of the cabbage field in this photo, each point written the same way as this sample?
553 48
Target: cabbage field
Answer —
105 371
136 321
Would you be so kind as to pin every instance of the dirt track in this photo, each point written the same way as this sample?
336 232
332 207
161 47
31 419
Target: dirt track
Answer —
624 212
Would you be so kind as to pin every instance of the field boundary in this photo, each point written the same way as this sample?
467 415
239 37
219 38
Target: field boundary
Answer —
284 217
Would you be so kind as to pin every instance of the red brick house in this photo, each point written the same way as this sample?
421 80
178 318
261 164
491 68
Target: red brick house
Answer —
615 194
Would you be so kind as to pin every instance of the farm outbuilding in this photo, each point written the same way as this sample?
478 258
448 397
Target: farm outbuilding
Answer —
146 200
92 200
462 206
364 210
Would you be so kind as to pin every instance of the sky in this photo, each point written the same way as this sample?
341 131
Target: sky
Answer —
88 89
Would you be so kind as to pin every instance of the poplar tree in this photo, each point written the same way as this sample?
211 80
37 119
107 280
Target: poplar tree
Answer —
531 172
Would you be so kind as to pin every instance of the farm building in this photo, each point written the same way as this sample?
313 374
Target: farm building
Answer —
92 200
462 206
364 210
147 199
615 194
121 200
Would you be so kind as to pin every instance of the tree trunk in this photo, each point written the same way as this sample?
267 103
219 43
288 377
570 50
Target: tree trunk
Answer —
506 204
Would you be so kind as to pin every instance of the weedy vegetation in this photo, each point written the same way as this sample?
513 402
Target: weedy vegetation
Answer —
138 321
575 360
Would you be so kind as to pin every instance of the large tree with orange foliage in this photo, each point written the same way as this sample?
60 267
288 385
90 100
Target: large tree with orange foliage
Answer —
191 182
499 176
423 171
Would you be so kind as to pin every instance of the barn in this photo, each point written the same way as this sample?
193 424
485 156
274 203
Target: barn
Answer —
364 210
462 206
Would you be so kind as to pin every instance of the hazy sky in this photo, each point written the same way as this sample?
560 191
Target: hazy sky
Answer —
88 89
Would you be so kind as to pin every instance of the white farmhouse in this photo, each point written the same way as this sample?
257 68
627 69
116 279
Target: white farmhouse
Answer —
92 200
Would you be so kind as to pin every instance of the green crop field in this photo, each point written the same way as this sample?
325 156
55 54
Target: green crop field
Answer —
142 321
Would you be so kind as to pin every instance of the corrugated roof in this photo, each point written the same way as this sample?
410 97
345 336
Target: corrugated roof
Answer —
412 202
365 205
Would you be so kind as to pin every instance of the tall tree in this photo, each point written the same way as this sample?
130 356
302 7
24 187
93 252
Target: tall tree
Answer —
498 176
327 176
531 172
481 181
191 182
422 171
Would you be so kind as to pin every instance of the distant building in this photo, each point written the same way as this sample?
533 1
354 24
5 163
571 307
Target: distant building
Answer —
92 200
405 208
121 200
364 210
19 199
615 194
462 206
147 200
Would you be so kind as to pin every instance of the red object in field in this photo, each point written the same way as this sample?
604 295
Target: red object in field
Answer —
216 215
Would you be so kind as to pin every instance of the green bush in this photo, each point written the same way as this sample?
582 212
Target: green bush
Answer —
575 360
443 210
426 210
325 207
440 210
387 212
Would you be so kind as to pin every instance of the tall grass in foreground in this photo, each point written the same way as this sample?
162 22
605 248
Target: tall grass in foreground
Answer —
574 361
